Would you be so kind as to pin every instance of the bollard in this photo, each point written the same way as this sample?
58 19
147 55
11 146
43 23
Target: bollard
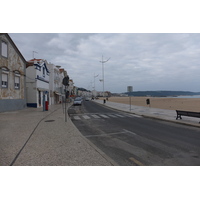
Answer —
46 105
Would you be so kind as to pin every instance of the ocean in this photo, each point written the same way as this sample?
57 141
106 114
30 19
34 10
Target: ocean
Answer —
190 96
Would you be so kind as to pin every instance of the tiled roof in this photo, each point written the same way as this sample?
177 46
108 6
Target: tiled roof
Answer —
32 60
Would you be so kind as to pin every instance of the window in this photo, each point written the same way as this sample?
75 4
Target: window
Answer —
17 81
43 72
4 77
4 49
4 80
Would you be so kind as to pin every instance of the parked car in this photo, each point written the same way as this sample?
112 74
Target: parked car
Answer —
87 99
77 101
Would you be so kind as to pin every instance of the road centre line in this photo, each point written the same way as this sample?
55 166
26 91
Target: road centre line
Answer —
104 135
116 133
126 131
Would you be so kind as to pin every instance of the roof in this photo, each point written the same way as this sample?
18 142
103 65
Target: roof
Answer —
13 44
37 65
32 60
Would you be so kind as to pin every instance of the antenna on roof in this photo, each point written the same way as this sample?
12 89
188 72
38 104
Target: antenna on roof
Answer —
33 54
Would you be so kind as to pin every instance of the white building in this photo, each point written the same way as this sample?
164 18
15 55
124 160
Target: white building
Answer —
37 83
71 88
54 84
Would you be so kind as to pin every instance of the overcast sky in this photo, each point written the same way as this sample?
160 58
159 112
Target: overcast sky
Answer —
145 61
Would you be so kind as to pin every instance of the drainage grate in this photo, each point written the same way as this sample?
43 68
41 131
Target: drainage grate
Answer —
49 120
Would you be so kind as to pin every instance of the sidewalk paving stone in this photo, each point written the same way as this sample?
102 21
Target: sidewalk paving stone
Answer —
45 139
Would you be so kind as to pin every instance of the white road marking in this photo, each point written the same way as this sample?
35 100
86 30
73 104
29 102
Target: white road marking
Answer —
104 116
104 135
95 116
86 117
111 115
108 134
98 116
133 115
126 131
77 117
119 115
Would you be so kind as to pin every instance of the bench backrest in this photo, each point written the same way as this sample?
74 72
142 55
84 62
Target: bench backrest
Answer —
188 113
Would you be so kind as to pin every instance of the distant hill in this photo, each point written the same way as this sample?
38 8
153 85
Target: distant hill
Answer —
162 93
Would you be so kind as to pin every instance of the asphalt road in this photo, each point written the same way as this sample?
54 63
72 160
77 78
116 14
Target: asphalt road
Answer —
134 140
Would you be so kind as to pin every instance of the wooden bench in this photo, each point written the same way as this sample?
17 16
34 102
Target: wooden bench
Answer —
187 113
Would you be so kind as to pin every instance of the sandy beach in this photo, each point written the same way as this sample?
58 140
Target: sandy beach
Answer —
187 104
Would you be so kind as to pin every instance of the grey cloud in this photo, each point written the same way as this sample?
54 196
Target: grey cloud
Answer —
146 61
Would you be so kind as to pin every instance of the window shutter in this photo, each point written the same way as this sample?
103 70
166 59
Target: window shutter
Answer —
5 77
16 79
4 49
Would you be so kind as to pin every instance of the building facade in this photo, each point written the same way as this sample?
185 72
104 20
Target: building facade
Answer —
37 83
55 84
12 76
71 88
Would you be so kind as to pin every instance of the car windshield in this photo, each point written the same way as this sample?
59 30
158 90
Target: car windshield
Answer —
77 99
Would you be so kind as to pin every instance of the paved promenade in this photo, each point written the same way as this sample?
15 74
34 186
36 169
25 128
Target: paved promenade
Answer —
163 114
32 137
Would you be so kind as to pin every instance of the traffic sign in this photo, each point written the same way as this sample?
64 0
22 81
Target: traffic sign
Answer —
65 80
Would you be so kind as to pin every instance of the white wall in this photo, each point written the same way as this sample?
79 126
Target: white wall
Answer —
35 81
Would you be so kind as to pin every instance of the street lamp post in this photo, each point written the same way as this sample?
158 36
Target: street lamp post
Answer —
94 81
103 61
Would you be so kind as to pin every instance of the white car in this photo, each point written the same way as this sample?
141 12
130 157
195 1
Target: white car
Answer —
77 101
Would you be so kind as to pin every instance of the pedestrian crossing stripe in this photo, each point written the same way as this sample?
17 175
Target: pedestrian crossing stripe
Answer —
77 117
85 117
134 115
104 116
95 116
111 115
119 115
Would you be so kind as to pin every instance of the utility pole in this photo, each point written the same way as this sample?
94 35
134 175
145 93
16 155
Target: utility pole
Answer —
103 61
